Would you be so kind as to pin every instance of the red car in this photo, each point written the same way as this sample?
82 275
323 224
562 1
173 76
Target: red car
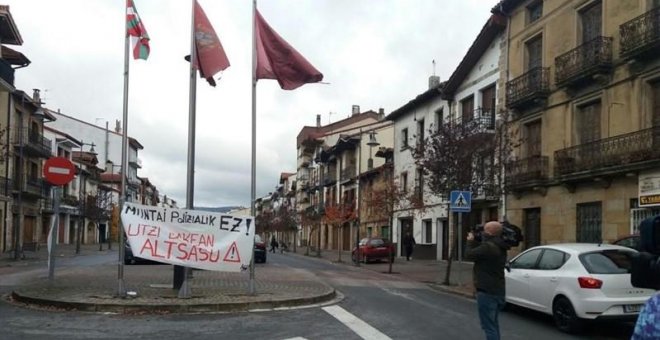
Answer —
374 248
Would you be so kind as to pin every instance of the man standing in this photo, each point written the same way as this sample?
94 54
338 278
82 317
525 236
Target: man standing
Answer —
489 258
408 244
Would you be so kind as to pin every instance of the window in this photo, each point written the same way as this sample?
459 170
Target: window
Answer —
533 139
589 222
534 52
527 260
420 132
534 11
419 185
404 182
591 21
467 109
587 123
404 138
370 231
552 259
607 262
385 232
532 225
439 118
427 230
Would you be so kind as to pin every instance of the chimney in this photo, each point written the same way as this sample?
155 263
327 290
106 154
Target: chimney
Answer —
434 81
35 96
381 113
117 126
355 110
318 120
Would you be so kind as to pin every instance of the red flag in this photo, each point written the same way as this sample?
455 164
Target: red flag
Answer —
276 59
135 29
211 57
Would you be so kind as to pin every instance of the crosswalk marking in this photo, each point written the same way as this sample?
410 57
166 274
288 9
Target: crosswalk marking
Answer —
361 328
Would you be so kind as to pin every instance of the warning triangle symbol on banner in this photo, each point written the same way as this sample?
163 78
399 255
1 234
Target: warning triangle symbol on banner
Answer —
232 254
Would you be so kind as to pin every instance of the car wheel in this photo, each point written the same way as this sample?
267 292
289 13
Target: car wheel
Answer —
564 314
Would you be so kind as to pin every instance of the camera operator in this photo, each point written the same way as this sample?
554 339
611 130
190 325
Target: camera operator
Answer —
489 256
648 321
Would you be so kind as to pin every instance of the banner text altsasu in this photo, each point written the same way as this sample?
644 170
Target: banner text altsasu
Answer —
191 238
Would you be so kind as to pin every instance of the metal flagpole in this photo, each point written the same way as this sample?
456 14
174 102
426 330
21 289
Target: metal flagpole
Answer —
121 289
185 291
253 189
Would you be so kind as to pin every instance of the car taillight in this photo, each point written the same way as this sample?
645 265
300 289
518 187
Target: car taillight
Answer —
590 283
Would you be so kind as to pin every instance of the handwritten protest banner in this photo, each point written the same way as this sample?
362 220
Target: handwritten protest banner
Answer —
191 238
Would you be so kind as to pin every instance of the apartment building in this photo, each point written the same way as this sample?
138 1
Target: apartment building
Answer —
583 89
324 151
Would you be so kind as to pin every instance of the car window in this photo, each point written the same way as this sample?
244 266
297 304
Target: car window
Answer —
527 260
377 242
364 241
552 259
630 242
607 262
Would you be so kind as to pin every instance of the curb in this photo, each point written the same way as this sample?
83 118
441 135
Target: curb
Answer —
173 308
450 290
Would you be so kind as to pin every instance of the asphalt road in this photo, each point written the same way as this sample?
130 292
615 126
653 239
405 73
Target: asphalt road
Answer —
374 306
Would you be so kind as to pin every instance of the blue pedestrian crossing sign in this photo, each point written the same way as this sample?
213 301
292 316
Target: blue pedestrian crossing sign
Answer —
460 201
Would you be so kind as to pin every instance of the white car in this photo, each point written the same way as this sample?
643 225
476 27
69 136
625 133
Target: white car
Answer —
575 281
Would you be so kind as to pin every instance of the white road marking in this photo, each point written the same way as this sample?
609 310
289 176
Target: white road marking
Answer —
361 328
296 338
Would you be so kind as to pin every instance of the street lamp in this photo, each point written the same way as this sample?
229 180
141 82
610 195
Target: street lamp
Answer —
81 194
370 165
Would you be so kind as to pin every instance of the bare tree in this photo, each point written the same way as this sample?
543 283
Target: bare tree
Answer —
338 215
452 158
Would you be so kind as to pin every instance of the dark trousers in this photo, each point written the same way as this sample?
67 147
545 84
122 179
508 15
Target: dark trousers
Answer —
489 308
409 250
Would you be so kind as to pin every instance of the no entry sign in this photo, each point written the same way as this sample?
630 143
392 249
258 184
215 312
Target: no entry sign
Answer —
59 170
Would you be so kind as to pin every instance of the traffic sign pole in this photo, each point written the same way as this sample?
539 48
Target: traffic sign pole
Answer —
58 171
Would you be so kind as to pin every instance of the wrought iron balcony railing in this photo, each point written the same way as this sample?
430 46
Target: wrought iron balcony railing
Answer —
609 152
527 170
588 59
530 87
329 179
32 142
32 186
641 36
348 173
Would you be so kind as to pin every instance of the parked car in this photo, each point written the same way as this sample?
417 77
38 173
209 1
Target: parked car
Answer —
574 282
374 248
259 250
630 241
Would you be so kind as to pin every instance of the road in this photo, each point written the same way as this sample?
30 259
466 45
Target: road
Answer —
373 305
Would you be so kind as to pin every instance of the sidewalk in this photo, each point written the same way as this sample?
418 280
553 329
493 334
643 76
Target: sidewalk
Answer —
94 288
431 272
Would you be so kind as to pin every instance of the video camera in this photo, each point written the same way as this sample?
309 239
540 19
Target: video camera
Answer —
511 233
645 269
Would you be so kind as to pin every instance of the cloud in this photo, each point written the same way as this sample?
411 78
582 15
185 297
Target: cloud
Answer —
372 53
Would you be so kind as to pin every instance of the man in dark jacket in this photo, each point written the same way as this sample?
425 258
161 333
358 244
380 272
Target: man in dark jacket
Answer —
489 258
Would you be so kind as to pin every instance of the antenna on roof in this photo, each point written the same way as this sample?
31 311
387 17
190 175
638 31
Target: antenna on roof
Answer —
433 62
330 114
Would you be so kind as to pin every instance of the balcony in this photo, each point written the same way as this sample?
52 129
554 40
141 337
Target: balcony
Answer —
529 89
134 161
348 174
487 191
640 37
609 156
5 186
6 72
329 179
527 173
34 188
32 142
581 64
485 119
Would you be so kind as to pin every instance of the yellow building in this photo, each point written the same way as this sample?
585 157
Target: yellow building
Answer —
583 93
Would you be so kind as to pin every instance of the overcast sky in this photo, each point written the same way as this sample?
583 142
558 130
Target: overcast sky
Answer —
373 53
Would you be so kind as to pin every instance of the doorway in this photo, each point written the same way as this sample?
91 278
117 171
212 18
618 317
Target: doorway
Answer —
406 227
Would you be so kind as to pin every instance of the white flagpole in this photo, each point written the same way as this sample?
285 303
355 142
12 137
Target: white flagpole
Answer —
185 291
121 288
253 190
